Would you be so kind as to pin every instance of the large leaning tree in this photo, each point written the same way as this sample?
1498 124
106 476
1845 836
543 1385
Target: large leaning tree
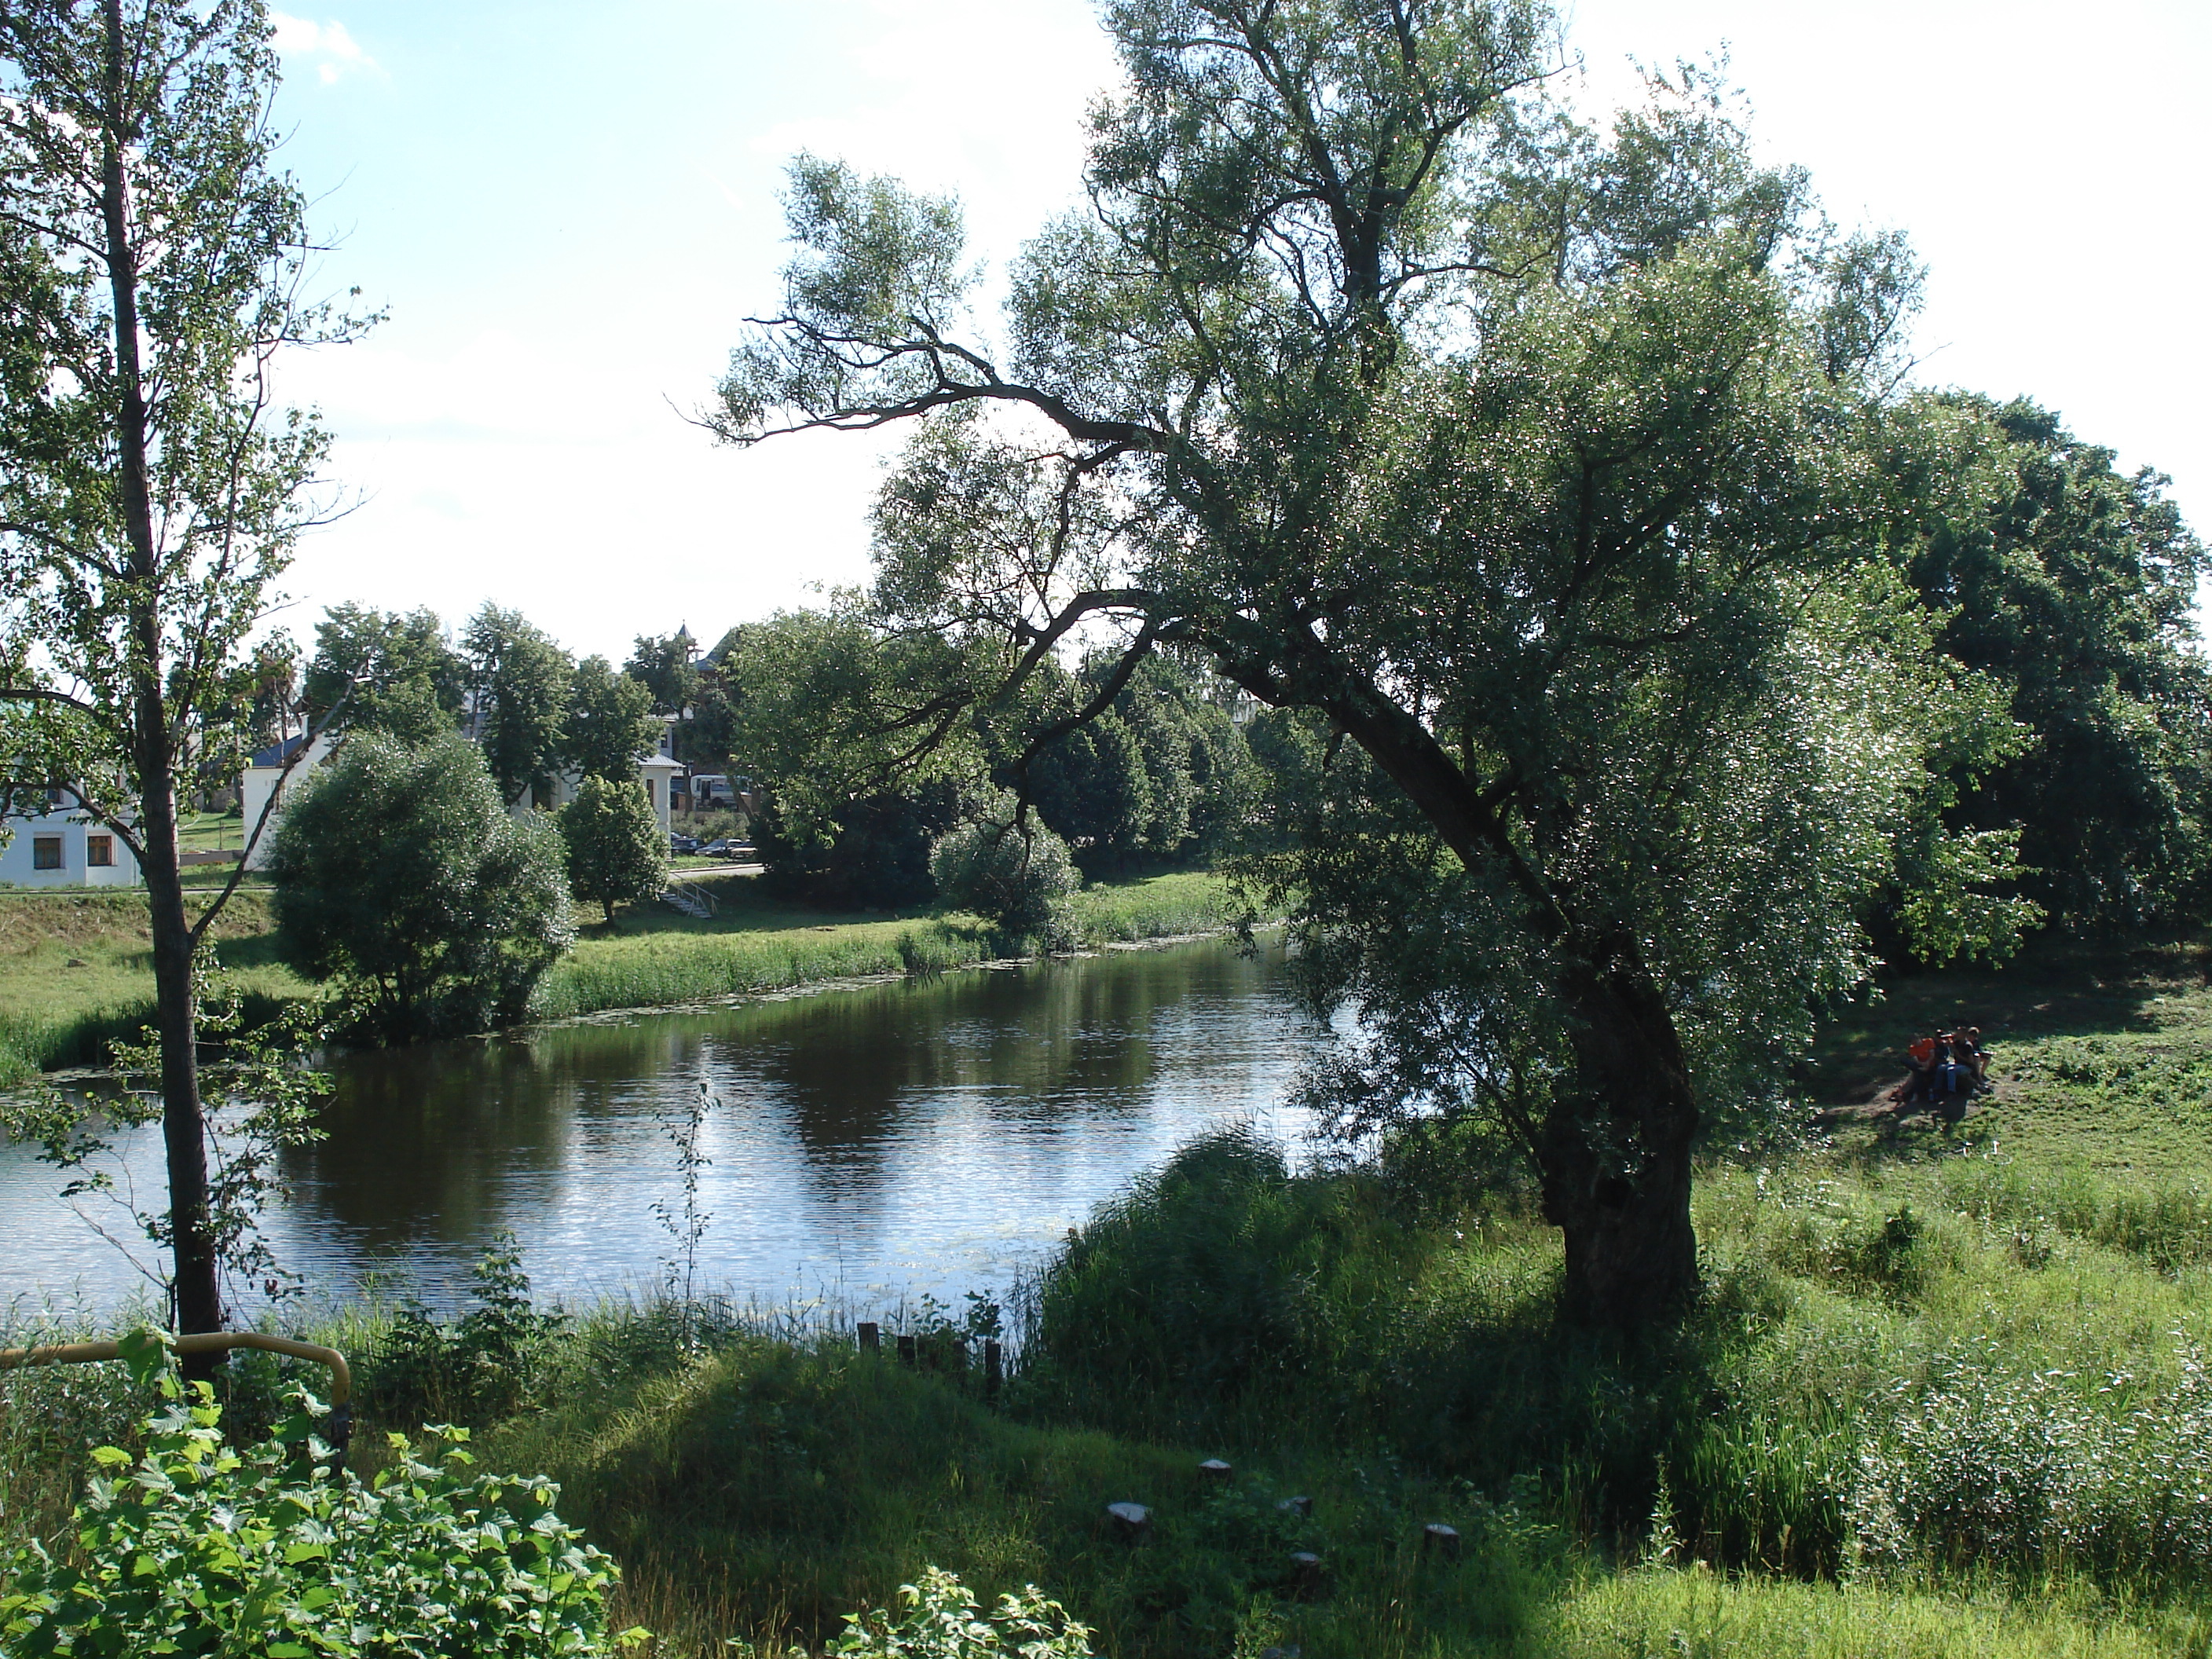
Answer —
151 483
1530 460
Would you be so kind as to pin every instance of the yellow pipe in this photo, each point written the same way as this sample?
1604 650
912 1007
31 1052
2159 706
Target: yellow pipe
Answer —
78 1353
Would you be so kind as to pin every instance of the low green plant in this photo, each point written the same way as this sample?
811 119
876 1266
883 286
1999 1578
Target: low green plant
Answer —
191 1547
468 1369
938 1618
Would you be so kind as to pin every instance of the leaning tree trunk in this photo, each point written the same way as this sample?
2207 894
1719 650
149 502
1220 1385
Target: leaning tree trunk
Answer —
1616 1158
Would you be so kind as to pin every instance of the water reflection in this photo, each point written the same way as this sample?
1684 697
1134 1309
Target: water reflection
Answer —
909 1135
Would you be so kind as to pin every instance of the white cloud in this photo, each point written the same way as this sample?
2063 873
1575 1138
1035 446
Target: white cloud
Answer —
328 46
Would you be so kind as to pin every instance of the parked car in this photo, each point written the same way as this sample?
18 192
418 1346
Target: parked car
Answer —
680 845
721 847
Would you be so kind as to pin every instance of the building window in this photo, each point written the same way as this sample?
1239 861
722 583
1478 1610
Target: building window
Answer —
100 852
46 852
651 799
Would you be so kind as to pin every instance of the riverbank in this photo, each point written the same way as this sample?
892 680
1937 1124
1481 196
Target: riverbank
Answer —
76 969
1945 1394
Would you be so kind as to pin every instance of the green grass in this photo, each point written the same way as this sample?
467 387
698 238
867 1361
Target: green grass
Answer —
656 957
76 969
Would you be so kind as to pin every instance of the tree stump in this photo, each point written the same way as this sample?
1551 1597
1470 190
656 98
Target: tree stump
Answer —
1214 1469
1132 1522
1440 1540
1306 1573
1301 1506
906 1351
871 1336
995 1362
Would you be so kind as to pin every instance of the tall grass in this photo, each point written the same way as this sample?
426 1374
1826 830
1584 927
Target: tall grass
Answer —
668 969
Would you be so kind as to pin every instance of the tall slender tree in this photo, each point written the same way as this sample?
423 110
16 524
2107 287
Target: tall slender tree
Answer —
151 483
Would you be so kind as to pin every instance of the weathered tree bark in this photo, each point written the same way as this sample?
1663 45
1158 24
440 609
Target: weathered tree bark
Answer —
1613 1159
195 1288
1615 1163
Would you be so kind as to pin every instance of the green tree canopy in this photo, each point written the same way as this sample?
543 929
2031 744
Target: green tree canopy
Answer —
519 688
390 671
618 852
399 869
1533 458
864 743
610 725
2071 586
664 668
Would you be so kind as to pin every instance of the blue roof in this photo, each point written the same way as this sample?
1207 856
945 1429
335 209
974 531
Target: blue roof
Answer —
278 753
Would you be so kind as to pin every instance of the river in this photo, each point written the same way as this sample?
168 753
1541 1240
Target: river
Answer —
864 1144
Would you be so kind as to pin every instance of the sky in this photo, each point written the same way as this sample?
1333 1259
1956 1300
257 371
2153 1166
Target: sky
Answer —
566 210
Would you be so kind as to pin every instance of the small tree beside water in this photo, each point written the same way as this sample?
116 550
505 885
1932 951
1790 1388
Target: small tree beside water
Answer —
618 852
401 870
1011 871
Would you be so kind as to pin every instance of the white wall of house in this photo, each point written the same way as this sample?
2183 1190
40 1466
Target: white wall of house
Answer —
654 772
63 848
265 777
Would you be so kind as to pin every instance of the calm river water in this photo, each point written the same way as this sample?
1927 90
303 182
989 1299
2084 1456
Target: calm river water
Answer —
868 1143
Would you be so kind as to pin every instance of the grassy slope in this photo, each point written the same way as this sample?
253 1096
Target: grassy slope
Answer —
76 968
52 1014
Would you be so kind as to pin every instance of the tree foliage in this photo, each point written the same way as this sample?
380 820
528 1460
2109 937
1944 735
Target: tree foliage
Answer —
864 743
519 685
1012 871
151 483
2070 586
399 869
389 672
1535 460
610 725
664 666
617 853
1160 776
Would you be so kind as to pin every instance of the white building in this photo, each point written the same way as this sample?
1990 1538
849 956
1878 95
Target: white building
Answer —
654 774
263 777
65 847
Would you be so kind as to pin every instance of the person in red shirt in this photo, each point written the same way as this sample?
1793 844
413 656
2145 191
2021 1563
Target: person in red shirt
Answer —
1921 1056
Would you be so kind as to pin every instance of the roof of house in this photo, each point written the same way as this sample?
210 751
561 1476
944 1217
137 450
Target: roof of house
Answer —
278 753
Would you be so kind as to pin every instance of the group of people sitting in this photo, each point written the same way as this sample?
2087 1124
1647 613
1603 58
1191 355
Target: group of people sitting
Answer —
1946 1067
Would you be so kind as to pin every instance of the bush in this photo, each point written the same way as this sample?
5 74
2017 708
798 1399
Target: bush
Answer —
199 1549
874 857
1019 877
1987 1467
941 1622
474 1368
618 854
400 869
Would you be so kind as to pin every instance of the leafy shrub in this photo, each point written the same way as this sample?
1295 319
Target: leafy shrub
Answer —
941 1620
200 1549
1019 877
618 852
1988 1466
471 1369
400 870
